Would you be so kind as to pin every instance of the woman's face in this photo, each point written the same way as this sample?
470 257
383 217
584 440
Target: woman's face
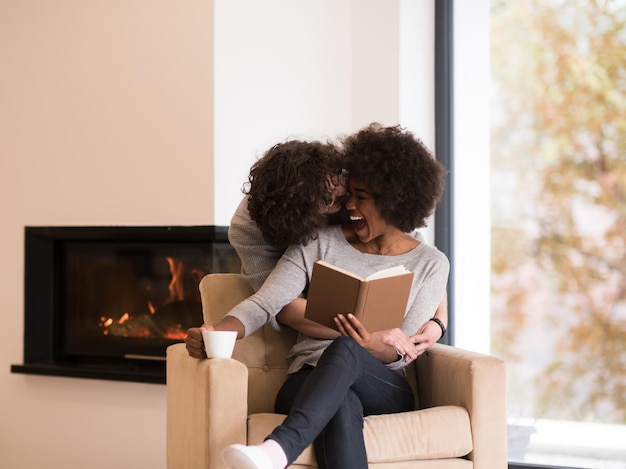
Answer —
369 223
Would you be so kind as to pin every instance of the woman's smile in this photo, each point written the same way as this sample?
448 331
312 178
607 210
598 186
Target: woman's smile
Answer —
360 224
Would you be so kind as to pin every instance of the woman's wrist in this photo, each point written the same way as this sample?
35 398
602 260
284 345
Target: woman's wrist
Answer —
441 325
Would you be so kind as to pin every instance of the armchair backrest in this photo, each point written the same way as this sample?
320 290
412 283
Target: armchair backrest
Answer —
264 352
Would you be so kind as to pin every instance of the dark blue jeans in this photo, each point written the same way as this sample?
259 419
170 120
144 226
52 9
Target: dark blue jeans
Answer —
326 405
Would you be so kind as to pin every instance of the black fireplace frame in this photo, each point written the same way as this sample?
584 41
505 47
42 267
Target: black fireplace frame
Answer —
42 303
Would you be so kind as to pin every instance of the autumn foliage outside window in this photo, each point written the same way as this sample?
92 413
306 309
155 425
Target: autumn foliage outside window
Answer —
559 206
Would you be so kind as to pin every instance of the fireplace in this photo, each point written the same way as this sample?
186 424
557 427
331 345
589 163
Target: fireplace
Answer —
106 302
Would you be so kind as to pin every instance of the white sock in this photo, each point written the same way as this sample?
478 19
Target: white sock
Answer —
253 457
275 453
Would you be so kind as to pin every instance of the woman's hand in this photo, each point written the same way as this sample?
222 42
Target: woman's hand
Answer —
380 344
426 337
402 344
387 345
194 342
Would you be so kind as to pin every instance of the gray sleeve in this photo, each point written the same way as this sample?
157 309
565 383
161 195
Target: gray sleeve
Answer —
284 284
258 258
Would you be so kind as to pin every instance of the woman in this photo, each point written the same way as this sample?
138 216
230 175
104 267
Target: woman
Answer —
292 192
394 185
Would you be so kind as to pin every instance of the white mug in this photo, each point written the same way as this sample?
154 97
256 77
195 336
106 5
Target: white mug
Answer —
219 344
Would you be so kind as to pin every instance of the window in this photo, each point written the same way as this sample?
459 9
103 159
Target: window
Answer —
539 226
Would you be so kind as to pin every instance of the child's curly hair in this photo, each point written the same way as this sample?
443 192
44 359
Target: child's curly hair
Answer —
406 180
286 190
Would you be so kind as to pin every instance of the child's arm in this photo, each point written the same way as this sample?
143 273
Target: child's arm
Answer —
292 315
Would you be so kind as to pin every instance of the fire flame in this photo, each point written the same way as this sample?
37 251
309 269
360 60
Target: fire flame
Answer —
142 326
177 269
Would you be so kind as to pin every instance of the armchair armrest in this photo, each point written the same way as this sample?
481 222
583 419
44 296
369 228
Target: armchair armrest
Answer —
451 376
206 408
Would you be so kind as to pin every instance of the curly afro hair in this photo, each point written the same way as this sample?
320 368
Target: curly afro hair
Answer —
286 189
403 175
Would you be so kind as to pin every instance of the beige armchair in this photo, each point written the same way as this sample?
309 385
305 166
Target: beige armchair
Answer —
459 421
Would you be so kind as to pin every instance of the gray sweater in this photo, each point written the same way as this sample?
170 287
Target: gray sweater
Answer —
293 272
258 258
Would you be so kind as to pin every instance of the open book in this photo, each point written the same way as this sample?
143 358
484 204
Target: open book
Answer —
378 301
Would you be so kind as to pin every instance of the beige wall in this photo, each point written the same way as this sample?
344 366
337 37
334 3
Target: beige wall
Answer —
107 111
105 119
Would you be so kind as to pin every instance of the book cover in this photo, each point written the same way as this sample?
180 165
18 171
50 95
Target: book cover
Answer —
378 301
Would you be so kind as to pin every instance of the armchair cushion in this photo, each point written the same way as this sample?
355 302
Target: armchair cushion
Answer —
436 433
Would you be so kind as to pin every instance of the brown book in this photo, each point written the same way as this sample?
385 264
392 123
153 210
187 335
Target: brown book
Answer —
378 301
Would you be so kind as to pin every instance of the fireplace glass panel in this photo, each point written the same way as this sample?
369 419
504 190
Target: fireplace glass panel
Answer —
127 299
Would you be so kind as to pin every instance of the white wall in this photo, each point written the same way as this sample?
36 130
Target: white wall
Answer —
284 72
314 69
472 262
120 113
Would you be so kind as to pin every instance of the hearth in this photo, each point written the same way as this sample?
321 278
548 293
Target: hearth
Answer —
106 302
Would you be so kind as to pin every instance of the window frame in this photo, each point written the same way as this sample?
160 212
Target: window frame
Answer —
444 143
